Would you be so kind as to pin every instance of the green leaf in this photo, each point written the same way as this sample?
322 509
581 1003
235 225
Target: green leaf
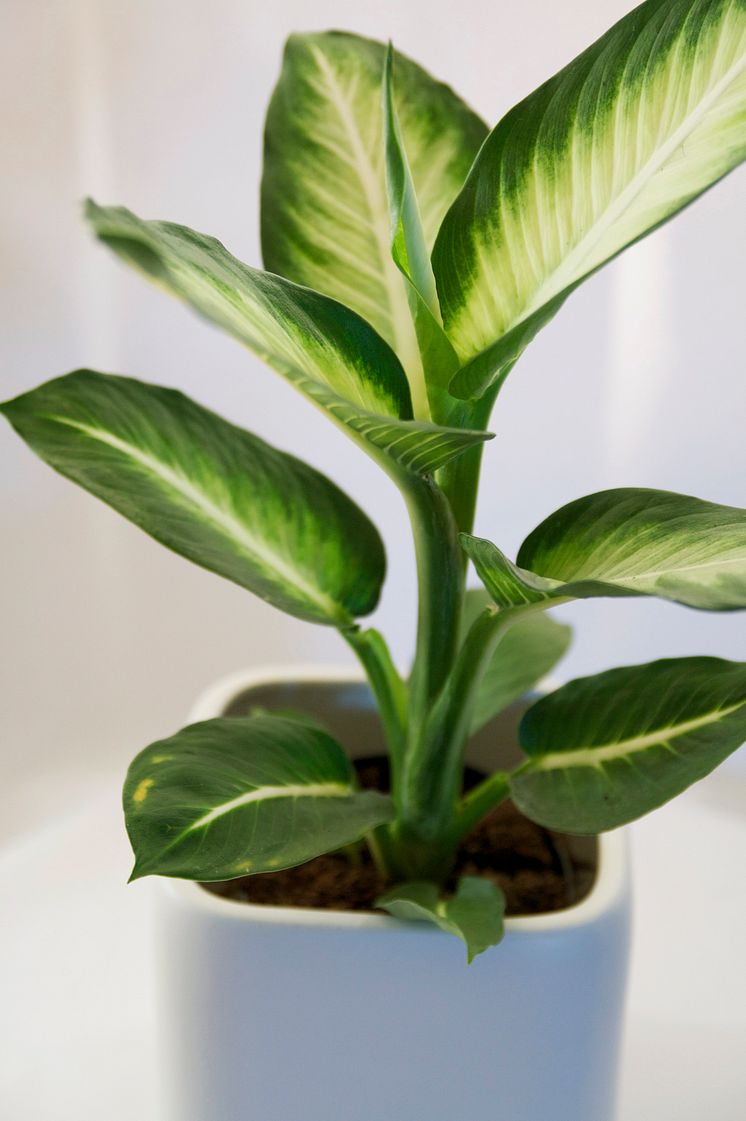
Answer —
290 327
625 542
411 255
527 651
634 129
325 215
474 913
508 585
644 542
606 749
325 350
230 797
210 491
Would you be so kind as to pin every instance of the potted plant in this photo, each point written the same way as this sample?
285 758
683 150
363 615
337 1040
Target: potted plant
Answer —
411 257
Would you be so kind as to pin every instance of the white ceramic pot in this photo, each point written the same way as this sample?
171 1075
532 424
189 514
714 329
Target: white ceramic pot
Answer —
281 1014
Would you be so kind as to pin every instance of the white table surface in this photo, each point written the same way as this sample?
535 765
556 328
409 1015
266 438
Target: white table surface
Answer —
76 1008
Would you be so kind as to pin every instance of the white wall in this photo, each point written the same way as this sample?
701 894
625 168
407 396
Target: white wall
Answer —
159 105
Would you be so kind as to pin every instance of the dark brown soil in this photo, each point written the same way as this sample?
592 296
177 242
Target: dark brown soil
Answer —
532 865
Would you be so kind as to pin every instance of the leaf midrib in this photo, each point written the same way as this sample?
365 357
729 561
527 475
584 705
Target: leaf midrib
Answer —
219 517
267 793
596 755
405 340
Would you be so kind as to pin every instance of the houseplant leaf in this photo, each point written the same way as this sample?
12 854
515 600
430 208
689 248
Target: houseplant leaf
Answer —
210 491
474 913
625 542
411 255
323 348
507 584
604 750
232 796
325 216
526 653
631 131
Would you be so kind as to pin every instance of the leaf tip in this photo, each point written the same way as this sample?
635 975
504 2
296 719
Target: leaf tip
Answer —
140 870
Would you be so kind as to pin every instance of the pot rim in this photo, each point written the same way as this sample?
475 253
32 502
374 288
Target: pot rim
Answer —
609 888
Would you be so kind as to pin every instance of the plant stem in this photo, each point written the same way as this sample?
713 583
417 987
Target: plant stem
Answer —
478 802
459 479
440 584
387 687
390 693
429 825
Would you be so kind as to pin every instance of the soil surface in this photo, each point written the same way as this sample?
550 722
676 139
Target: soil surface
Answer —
532 865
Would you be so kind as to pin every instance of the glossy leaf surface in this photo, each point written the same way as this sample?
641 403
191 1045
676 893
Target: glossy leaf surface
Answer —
323 348
229 797
625 542
212 492
631 131
604 750
644 542
411 255
474 913
325 214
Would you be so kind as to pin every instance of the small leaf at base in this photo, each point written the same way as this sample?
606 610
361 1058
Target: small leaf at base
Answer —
474 913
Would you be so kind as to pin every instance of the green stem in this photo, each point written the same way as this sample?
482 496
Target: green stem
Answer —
459 479
478 802
387 687
428 831
440 584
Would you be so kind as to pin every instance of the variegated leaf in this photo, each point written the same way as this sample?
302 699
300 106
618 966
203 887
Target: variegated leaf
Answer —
626 542
325 215
411 255
325 350
507 584
637 126
604 750
230 797
210 491
643 542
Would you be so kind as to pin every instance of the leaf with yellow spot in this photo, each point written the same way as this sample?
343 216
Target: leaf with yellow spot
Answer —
244 795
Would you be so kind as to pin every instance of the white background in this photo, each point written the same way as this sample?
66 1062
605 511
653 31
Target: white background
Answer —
106 638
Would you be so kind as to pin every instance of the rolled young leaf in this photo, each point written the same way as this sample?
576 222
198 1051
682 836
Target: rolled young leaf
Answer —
625 542
604 750
210 491
474 913
321 347
229 797
325 215
527 652
635 128
411 255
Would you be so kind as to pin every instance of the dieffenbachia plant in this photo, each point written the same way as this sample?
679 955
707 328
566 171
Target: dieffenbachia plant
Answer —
411 255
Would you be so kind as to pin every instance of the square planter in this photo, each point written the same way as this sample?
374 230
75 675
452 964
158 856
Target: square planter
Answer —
286 1014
